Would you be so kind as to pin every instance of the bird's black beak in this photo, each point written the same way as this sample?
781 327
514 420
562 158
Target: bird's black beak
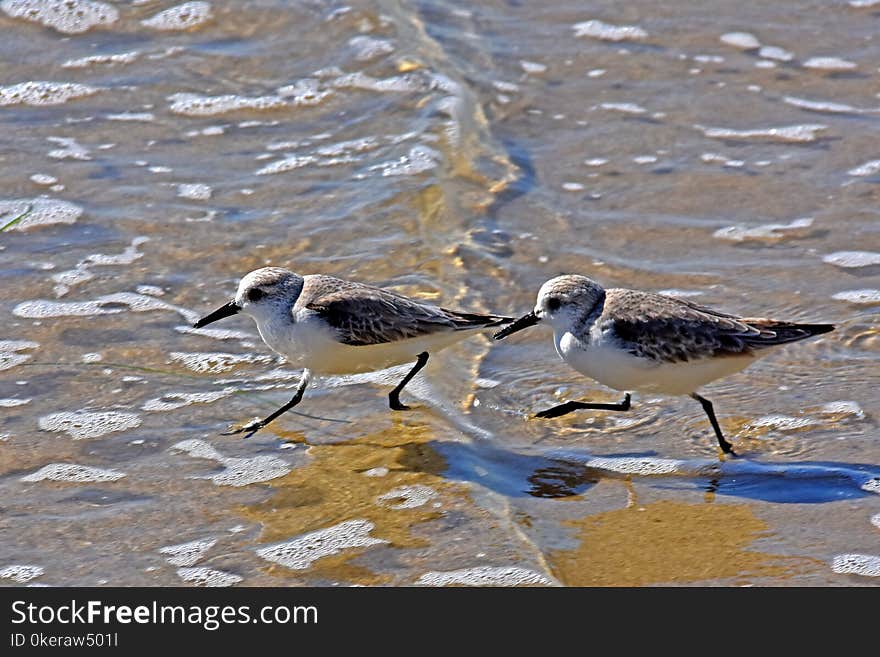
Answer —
522 323
226 310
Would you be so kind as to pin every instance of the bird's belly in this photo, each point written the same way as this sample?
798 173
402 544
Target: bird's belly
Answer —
618 369
317 350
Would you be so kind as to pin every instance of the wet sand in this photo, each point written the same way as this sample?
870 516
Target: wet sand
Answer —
461 154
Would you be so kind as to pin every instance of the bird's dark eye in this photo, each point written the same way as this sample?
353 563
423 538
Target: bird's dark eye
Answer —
255 294
553 304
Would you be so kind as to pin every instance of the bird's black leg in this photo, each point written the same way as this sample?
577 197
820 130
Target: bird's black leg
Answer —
255 425
726 447
394 395
570 406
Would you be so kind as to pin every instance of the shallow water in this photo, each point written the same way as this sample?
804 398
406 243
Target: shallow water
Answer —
460 153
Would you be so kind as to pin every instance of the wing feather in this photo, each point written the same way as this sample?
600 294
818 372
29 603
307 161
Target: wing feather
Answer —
365 315
674 330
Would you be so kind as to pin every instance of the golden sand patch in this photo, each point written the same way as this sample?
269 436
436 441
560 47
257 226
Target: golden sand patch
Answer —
667 542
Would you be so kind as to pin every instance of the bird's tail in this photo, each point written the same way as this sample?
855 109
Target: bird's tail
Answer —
775 332
476 320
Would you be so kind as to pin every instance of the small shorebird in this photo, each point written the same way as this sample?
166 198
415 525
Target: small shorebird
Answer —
632 340
330 326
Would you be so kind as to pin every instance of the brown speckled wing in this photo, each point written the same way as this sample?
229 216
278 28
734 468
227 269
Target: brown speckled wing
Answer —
673 330
364 315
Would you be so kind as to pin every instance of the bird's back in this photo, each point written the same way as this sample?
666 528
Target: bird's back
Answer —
668 329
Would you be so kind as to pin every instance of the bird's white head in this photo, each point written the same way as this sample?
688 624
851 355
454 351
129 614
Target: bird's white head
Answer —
566 299
263 294
563 301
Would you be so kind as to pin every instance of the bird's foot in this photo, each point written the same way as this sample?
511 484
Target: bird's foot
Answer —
397 406
726 449
251 428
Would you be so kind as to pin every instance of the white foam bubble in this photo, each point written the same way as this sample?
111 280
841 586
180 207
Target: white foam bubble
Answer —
776 53
201 576
195 105
875 520
307 91
872 485
70 149
347 147
216 333
174 400
12 403
788 133
151 290
821 106
866 565
743 40
237 471
532 67
146 117
626 108
9 360
782 422
866 297
21 573
852 259
9 357
606 32
397 83
636 465
207 131
842 407
181 17
870 168
43 93
485 576
73 472
43 179
82 424
17 345
573 186
765 232
79 274
65 16
38 212
118 58
596 162
108 304
198 449
299 553
287 164
366 47
419 159
215 362
187 554
195 191
407 497
376 472
863 3
830 63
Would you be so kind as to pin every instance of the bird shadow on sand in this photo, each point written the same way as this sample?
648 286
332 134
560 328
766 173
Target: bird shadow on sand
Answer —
566 473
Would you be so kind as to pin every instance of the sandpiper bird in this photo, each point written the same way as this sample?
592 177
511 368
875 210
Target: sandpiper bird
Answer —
639 341
331 326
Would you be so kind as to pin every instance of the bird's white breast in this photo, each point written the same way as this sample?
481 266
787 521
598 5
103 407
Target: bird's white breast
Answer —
309 342
601 358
